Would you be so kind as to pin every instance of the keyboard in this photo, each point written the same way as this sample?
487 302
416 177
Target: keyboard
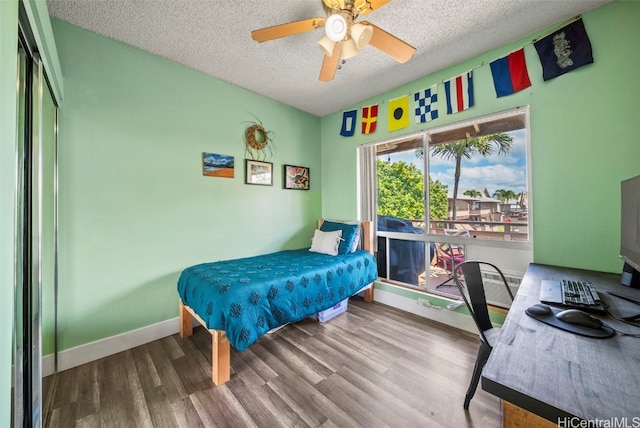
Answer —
573 294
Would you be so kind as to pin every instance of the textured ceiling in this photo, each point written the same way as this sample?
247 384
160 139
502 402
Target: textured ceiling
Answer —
214 37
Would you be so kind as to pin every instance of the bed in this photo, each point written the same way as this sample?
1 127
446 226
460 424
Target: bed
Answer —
239 300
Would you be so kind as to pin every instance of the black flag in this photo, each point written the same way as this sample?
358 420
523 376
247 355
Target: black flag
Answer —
564 50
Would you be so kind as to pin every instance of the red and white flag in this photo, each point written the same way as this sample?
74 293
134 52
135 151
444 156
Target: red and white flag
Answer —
459 92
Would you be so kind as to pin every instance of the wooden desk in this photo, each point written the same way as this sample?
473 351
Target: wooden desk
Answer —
560 375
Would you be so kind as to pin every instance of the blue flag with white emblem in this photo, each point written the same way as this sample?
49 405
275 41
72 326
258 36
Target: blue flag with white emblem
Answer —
564 50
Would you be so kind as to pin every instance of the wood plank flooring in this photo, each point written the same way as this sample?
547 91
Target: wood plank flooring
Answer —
373 366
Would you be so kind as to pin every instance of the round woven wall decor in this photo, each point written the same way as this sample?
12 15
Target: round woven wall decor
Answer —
258 141
257 137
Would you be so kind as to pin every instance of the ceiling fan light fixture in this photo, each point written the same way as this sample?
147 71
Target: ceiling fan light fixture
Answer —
335 27
361 34
326 45
349 49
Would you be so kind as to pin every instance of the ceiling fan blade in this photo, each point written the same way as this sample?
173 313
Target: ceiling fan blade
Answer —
283 30
374 5
330 63
398 49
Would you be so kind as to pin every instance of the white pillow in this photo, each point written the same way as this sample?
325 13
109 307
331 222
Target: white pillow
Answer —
326 242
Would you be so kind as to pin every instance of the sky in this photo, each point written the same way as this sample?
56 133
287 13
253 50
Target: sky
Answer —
508 172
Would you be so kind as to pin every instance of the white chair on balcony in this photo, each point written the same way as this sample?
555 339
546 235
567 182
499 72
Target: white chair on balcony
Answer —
449 255
457 232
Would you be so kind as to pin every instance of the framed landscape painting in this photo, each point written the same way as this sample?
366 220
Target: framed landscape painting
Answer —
260 173
214 165
296 177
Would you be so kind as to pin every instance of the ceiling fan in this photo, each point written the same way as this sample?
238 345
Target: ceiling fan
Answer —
344 37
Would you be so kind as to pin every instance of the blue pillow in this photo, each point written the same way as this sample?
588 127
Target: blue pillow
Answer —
349 234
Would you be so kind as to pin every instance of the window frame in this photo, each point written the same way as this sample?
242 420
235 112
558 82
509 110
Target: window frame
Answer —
476 244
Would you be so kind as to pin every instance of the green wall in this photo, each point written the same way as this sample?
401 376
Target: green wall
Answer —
583 139
48 222
135 208
8 66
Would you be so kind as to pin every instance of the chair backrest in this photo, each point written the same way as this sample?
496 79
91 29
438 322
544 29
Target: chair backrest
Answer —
444 250
474 284
457 232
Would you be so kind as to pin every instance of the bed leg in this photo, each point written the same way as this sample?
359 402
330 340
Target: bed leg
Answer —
220 357
368 294
186 321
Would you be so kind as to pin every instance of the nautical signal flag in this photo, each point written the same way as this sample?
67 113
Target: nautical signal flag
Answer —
349 123
369 119
564 50
426 104
459 92
398 113
510 74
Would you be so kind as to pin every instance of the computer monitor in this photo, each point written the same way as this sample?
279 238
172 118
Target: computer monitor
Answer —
630 230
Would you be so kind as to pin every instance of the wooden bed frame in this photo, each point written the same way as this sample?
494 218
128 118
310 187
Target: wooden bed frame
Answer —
220 346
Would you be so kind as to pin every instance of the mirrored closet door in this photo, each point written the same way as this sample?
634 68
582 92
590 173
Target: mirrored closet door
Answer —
34 331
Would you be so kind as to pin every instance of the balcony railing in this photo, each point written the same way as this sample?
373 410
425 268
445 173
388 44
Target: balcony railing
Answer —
414 261
497 230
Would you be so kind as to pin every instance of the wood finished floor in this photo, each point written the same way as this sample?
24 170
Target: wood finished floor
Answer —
373 366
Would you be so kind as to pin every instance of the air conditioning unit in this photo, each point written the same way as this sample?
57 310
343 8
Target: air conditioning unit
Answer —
494 288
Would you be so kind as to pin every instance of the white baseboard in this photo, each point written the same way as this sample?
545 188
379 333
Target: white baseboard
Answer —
108 346
92 351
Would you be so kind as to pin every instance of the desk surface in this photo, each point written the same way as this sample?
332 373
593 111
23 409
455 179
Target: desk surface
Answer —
557 374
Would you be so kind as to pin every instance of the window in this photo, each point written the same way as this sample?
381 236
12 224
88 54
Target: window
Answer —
447 188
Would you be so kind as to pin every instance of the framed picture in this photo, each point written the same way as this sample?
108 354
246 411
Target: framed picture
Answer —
215 165
296 177
258 172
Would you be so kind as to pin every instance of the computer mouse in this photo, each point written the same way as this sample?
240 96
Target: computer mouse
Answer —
539 309
578 317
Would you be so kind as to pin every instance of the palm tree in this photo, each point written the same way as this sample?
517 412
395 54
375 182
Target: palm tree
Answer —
456 150
472 193
505 195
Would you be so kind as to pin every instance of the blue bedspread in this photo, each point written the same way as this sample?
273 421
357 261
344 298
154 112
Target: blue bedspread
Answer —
248 297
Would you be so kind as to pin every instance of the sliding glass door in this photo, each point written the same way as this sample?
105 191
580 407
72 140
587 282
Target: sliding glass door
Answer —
441 195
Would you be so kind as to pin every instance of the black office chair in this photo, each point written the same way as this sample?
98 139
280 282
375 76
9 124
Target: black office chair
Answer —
476 302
